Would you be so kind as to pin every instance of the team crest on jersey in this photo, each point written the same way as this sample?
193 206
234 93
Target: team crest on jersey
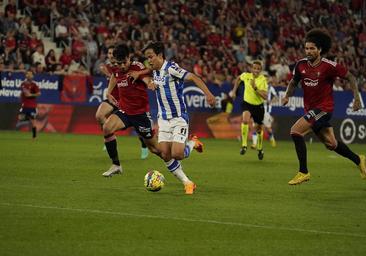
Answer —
310 82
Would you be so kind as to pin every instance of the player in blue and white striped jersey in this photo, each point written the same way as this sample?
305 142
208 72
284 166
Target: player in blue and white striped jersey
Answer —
268 118
168 82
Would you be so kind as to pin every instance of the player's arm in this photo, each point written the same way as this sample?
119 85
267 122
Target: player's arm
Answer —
232 93
150 83
112 83
289 91
356 94
200 84
36 94
262 93
103 68
136 74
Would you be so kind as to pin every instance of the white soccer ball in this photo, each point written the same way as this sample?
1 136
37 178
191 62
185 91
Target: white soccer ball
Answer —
154 181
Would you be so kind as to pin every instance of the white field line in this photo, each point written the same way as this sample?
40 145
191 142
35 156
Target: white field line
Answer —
207 221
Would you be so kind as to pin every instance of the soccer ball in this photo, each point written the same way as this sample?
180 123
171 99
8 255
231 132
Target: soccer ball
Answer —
154 181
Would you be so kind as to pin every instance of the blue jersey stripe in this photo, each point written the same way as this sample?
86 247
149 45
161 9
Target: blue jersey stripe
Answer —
179 88
168 94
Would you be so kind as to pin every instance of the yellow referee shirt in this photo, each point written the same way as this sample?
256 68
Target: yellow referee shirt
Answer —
250 95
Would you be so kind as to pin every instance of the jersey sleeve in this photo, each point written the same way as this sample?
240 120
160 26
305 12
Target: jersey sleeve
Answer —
263 85
340 70
138 66
176 71
35 88
243 76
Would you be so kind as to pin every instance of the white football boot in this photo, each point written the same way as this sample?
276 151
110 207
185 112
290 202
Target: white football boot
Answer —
114 169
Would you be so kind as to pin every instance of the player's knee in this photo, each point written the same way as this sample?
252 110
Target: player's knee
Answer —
331 145
154 150
107 129
165 157
178 155
99 117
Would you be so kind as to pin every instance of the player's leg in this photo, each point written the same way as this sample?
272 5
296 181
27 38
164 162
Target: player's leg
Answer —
244 131
181 146
34 128
162 148
257 113
259 132
172 136
267 125
32 118
326 135
23 120
298 131
254 140
103 112
144 149
114 123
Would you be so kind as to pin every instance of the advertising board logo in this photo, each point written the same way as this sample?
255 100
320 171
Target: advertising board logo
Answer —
98 92
348 131
195 98
360 112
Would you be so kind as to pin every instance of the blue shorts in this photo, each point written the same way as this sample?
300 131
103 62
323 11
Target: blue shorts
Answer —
28 113
318 119
142 123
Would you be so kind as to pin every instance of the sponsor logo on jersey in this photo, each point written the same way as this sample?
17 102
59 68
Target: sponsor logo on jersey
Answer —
310 82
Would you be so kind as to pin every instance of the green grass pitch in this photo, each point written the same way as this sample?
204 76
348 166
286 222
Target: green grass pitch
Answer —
54 201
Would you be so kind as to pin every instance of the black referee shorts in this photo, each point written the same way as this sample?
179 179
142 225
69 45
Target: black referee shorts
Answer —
256 111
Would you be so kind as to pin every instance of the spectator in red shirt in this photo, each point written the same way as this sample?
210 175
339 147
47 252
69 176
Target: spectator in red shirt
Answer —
66 57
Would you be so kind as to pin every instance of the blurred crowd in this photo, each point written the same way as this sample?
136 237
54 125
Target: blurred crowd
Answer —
215 39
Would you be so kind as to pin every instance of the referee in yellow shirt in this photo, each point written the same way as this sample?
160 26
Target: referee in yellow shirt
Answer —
255 93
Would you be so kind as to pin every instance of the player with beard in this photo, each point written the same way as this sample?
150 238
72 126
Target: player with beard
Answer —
316 75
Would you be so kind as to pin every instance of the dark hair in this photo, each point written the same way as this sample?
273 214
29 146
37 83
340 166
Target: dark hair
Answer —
121 52
320 38
157 47
258 62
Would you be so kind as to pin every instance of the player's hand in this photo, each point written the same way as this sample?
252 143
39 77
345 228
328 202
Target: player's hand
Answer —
211 99
285 101
112 99
152 86
232 94
134 74
356 104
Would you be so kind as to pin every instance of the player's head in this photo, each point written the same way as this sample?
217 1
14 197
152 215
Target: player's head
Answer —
110 53
154 52
29 74
121 54
256 67
317 42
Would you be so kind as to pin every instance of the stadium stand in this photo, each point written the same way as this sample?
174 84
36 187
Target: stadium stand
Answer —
216 39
